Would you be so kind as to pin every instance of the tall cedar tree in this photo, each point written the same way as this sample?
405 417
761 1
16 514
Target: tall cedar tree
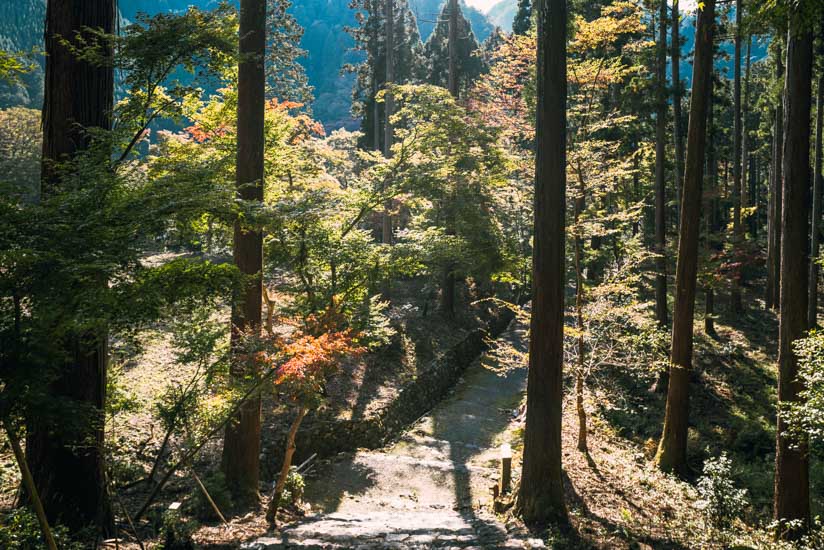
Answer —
818 188
467 56
737 229
370 39
677 131
523 17
661 315
792 484
672 450
454 15
541 496
68 468
241 447
660 176
776 179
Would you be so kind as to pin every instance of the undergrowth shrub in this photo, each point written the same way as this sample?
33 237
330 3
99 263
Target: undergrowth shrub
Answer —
20 530
294 488
177 532
720 500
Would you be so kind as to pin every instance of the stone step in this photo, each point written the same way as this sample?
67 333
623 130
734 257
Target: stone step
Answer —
411 529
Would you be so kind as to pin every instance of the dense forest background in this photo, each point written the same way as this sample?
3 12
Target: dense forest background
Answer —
327 46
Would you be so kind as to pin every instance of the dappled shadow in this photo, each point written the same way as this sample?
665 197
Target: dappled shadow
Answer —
580 539
330 483
472 421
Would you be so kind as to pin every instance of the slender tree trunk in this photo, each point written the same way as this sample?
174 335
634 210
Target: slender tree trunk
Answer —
241 446
818 184
277 494
68 468
30 487
660 186
452 83
746 174
709 210
792 483
376 115
736 304
660 181
678 134
389 107
541 494
672 450
579 317
776 179
448 291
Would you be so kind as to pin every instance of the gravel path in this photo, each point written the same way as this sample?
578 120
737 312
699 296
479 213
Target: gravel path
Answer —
430 489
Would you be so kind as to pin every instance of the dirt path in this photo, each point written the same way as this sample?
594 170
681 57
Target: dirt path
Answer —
432 487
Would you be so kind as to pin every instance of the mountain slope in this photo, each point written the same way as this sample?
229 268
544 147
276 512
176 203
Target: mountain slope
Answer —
503 13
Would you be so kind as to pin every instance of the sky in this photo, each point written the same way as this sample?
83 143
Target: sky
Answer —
484 5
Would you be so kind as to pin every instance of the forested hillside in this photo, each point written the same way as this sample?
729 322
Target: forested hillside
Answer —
325 39
376 274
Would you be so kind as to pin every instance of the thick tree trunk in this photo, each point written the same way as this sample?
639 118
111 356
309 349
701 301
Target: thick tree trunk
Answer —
818 187
792 484
68 468
541 496
661 314
678 134
241 446
775 208
672 450
736 304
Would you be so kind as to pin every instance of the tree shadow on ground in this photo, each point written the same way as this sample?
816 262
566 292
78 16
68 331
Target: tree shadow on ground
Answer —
732 400
579 540
474 420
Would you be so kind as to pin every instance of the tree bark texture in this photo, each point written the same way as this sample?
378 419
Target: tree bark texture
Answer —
791 499
68 468
541 496
672 450
241 446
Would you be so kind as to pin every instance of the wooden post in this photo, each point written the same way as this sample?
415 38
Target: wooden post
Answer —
505 481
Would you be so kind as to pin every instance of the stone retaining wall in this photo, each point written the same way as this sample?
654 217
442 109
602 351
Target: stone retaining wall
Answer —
326 435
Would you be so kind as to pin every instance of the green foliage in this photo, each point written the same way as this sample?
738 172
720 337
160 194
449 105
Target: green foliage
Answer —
12 67
469 60
456 176
293 489
806 416
177 531
20 147
20 530
286 78
720 500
